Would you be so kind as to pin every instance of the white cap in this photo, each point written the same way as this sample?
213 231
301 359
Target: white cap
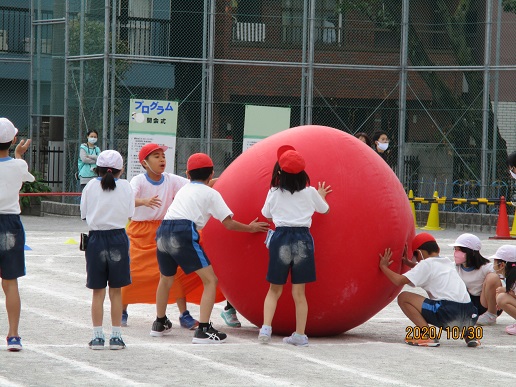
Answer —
110 159
7 130
505 253
468 240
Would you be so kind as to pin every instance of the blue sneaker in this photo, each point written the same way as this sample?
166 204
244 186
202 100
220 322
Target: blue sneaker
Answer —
230 318
125 316
96 343
187 321
116 343
14 344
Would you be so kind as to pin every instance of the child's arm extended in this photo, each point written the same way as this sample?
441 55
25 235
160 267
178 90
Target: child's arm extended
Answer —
21 148
254 226
151 202
395 278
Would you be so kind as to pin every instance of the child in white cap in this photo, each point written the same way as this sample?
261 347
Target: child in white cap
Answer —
107 203
479 276
505 265
13 173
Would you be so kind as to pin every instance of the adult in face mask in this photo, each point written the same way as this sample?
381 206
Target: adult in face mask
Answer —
381 143
479 276
88 154
511 163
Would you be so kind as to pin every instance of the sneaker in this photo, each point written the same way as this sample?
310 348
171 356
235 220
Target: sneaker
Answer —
187 321
472 342
116 343
295 339
208 335
485 319
14 344
511 329
97 343
423 342
230 318
265 334
160 329
125 316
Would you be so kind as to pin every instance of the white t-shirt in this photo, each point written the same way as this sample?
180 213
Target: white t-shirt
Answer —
198 202
438 277
166 189
107 210
293 210
13 173
474 279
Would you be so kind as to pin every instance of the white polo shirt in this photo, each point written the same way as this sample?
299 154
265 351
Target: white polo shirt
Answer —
107 210
293 210
13 173
438 277
474 279
198 202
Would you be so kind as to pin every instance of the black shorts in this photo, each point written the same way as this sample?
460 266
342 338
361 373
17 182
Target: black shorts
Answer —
443 313
481 308
291 249
12 247
178 245
107 259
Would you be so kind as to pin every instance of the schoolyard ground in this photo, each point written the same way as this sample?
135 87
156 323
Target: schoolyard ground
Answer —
56 327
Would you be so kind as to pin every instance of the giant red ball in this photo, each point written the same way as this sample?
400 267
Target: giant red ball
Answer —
369 211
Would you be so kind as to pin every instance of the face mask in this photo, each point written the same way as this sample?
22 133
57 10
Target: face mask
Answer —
459 257
383 145
92 140
513 174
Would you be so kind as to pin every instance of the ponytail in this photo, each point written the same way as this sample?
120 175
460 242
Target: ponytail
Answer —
108 177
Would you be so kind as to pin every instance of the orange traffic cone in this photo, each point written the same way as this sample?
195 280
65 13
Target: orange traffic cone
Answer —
502 226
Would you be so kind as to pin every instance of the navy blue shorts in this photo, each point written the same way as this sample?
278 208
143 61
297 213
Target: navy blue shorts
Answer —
12 247
443 313
178 245
291 249
107 259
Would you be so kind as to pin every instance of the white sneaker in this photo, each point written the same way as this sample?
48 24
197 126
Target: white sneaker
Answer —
265 334
297 340
486 319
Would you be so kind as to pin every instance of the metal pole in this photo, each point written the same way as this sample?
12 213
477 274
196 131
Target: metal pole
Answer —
303 68
81 73
204 75
495 91
31 80
65 104
485 101
105 95
112 93
402 113
210 80
310 72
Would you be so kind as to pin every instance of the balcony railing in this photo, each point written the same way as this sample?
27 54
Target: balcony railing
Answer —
145 37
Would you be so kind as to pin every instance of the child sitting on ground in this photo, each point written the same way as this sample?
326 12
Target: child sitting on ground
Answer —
448 303
505 264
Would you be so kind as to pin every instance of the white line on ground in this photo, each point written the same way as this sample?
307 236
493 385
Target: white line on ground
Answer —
8 383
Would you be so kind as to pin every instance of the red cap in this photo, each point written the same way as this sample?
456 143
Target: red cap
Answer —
148 149
282 149
422 238
198 160
291 162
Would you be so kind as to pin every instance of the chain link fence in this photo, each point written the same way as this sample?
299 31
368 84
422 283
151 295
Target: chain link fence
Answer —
435 80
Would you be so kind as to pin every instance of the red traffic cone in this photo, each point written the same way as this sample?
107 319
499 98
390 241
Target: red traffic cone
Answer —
502 226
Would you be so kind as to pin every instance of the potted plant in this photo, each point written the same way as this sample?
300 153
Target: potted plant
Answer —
31 205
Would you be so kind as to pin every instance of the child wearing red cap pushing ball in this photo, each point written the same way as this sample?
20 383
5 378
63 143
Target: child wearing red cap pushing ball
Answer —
178 242
290 204
448 307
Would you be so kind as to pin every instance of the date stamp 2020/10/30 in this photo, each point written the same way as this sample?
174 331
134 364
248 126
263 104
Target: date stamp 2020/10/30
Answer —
450 332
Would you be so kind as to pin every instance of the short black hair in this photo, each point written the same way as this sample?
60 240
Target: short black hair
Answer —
201 173
378 134
430 247
511 160
5 145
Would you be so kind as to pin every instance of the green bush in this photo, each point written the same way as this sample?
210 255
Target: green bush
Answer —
36 186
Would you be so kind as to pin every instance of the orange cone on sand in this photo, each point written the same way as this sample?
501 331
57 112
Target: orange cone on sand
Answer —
502 226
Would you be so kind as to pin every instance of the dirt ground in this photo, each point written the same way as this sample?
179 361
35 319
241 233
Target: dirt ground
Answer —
56 327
